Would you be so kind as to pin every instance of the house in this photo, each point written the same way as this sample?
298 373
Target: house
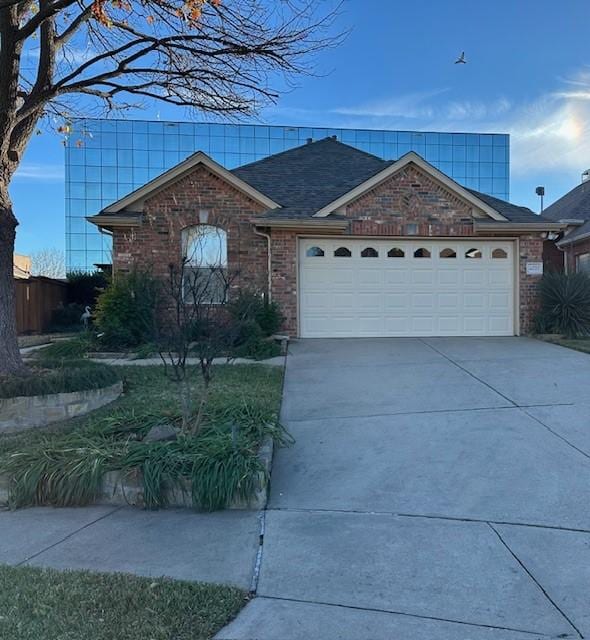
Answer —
571 249
350 245
21 266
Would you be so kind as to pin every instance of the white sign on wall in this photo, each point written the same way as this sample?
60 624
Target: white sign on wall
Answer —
534 268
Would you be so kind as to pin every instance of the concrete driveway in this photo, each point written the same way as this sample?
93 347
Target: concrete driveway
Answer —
438 488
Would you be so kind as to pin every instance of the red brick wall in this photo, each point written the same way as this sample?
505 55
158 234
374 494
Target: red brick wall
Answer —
575 250
531 250
284 276
410 197
157 242
553 258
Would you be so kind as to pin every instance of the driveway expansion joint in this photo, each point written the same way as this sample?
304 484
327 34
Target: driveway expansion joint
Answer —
553 432
407 614
532 577
430 516
68 536
258 560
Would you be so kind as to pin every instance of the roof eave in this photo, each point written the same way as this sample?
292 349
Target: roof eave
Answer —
566 240
308 223
111 221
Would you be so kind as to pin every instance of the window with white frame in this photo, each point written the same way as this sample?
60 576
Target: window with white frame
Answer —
583 262
205 273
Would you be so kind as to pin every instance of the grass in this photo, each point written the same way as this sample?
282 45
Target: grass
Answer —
47 377
64 464
578 344
52 605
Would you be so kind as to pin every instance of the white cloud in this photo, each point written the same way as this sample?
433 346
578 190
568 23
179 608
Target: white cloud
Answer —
40 172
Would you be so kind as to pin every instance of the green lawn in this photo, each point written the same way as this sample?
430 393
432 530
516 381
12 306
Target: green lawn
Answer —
579 344
44 604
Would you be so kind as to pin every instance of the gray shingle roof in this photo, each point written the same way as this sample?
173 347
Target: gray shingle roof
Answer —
573 205
513 212
306 178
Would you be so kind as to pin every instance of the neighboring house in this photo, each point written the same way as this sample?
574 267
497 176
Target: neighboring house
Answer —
348 244
571 249
21 266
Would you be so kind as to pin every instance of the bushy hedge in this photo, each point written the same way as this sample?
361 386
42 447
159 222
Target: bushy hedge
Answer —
59 377
251 307
564 304
126 310
84 288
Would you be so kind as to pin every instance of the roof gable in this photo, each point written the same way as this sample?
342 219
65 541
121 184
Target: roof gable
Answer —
133 202
391 169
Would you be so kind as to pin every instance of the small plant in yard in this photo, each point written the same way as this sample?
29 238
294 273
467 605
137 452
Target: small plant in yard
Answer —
564 304
48 377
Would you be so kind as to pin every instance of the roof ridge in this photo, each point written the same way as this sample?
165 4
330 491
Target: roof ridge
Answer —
305 145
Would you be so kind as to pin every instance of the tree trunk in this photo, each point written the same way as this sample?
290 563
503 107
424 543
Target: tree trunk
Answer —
10 359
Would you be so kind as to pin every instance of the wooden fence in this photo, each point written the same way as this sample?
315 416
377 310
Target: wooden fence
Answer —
36 298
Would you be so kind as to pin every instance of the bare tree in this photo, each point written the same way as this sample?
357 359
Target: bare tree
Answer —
217 56
195 321
50 263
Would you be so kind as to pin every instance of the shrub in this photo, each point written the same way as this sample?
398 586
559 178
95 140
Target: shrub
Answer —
126 310
250 306
76 348
84 288
59 377
564 304
67 318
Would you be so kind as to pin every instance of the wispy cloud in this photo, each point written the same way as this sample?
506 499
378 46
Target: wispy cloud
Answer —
40 172
549 132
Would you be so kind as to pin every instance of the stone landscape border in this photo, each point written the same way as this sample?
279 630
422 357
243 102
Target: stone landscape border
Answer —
27 412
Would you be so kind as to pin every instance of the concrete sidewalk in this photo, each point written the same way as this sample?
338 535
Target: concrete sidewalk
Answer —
216 547
438 488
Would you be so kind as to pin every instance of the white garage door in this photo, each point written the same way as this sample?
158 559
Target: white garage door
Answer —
364 288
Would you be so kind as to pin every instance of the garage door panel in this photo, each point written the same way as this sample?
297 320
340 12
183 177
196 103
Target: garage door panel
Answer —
409 296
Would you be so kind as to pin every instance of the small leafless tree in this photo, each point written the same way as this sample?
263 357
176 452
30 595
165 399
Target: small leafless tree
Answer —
50 263
195 321
65 58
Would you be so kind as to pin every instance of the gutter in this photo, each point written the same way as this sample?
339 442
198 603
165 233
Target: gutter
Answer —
108 222
565 241
317 223
520 227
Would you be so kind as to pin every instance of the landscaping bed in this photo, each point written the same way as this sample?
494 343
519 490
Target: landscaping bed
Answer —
68 463
578 344
53 605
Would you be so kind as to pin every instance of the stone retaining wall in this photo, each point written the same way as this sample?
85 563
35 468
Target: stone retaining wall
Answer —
27 412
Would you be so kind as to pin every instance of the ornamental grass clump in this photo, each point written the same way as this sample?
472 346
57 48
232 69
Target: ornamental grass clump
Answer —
564 304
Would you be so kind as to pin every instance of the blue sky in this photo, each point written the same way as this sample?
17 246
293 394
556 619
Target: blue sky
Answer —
528 74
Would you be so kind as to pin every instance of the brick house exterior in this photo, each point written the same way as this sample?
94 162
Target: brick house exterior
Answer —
569 250
321 190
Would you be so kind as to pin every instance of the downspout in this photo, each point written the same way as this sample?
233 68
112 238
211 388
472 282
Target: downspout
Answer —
269 260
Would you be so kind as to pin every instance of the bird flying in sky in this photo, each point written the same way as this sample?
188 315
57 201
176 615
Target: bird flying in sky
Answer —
461 59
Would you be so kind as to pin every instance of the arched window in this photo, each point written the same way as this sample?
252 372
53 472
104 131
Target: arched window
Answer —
369 252
499 254
315 252
342 252
421 253
396 252
473 253
447 253
205 278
